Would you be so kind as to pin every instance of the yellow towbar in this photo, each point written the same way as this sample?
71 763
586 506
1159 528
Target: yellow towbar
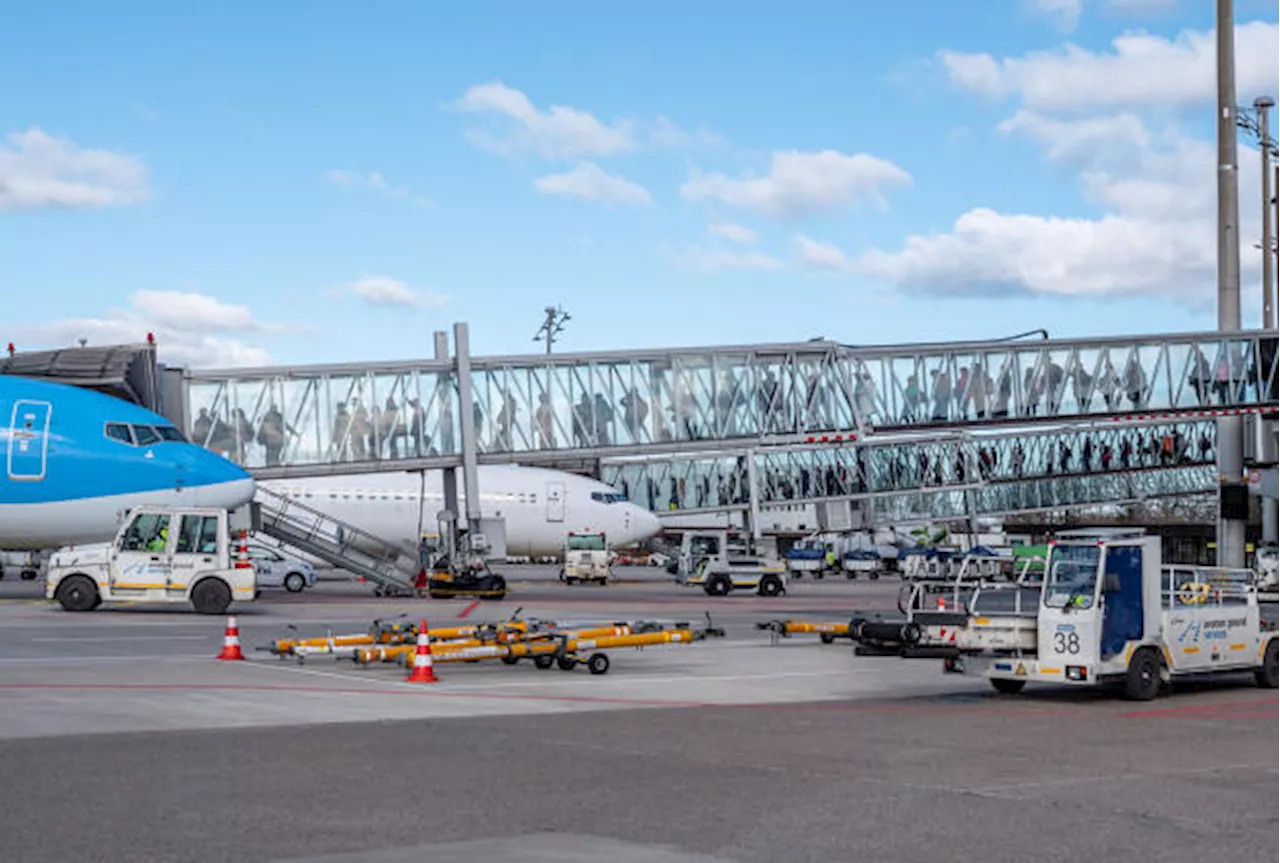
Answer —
828 632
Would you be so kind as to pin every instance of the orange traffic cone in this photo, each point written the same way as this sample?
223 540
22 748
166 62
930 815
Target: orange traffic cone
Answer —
942 603
422 670
231 641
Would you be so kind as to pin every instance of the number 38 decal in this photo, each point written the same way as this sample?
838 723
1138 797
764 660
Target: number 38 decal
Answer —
1066 642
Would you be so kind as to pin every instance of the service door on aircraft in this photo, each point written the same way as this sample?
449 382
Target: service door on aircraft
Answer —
28 440
555 501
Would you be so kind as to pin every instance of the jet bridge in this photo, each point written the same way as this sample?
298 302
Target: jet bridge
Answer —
545 409
939 476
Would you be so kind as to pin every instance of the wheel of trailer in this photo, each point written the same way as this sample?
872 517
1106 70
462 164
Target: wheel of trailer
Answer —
294 582
510 660
827 638
378 591
78 593
874 575
1142 680
852 575
718 585
1007 687
566 663
1269 675
544 661
211 596
770 585
598 663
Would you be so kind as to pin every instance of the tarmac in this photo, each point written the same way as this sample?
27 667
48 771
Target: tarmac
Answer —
123 740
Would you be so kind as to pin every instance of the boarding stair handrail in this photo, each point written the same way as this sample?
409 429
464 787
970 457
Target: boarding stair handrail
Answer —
332 540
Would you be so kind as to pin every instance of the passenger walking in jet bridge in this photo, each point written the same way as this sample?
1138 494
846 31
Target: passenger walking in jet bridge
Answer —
341 432
417 418
911 399
271 434
635 413
941 395
202 429
962 394
542 420
243 434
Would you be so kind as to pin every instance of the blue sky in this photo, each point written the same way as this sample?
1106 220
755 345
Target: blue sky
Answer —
333 181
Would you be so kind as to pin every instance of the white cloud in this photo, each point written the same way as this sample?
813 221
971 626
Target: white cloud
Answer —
715 260
822 255
1066 13
559 132
1157 236
1140 70
802 184
38 170
665 133
190 329
589 182
733 233
389 292
375 182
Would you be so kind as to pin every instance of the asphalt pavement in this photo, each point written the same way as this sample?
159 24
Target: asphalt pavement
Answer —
123 740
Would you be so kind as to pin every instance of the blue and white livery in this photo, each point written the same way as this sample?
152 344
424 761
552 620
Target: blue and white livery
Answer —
74 460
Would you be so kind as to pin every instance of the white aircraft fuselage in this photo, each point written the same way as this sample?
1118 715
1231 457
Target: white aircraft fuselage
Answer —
539 506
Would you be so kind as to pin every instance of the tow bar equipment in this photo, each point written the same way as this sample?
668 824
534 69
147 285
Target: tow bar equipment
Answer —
827 632
544 643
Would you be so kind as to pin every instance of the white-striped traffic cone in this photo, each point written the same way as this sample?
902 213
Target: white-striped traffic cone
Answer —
422 671
231 641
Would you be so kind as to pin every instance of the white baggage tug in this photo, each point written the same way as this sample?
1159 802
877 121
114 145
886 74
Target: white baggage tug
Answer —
1110 613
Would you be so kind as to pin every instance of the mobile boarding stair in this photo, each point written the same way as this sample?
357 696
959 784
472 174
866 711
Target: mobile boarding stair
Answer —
391 570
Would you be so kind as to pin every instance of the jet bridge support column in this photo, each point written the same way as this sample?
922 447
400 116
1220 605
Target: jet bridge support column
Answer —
753 500
467 425
449 488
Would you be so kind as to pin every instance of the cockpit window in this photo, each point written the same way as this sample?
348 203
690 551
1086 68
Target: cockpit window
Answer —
170 433
608 497
145 435
119 432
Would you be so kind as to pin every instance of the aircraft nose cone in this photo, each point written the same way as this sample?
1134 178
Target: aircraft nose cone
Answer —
218 482
645 524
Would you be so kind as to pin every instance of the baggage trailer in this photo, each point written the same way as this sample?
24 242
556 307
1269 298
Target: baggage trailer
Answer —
1109 613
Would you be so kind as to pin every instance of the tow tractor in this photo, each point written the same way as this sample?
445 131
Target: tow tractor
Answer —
706 561
586 558
1108 612
159 554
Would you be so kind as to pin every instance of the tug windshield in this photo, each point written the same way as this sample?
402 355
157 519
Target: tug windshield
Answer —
1073 574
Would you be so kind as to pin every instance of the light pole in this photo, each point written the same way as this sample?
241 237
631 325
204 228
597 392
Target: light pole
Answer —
1232 493
552 325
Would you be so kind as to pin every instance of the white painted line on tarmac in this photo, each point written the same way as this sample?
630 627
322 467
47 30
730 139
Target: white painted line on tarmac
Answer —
81 660
514 684
69 639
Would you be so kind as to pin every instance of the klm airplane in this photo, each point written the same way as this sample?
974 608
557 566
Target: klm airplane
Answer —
74 460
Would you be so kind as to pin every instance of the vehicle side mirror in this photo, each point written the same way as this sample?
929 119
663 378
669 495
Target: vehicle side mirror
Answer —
1110 583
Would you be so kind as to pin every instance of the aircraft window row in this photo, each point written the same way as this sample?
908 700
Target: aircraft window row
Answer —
522 497
140 435
608 497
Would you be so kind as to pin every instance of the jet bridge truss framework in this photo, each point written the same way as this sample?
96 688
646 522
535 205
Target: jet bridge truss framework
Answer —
940 475
557 409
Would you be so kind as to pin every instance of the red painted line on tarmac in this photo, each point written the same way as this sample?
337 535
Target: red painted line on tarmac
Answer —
1242 709
470 608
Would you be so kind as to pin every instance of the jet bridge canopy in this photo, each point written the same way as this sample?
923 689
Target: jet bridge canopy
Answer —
125 371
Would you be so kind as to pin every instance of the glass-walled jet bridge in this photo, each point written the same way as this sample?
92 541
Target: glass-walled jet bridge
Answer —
575 409
936 477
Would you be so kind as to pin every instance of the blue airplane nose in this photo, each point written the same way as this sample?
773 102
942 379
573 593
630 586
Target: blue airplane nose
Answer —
215 481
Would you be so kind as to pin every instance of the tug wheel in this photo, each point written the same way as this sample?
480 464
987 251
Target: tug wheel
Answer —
544 661
598 663
566 663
